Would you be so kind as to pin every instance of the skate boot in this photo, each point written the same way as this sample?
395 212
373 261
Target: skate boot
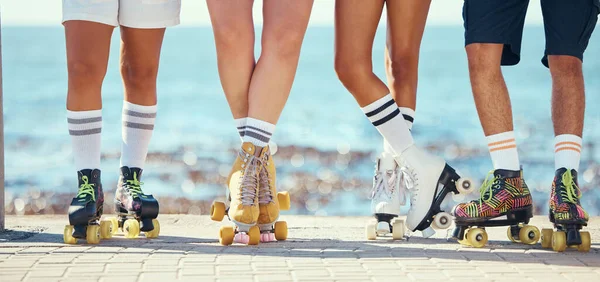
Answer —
429 180
86 209
242 200
504 200
566 214
136 211
270 202
387 197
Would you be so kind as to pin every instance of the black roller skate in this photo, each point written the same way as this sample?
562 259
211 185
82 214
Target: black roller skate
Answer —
566 214
136 211
86 209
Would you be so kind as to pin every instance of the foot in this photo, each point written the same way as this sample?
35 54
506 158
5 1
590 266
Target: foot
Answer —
388 194
130 199
267 196
502 191
422 172
565 206
87 206
243 187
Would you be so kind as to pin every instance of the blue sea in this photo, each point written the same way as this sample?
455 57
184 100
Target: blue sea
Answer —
195 130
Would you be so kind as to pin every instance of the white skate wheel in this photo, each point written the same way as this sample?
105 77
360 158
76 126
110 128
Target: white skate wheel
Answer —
397 229
442 220
428 232
370 230
383 228
464 185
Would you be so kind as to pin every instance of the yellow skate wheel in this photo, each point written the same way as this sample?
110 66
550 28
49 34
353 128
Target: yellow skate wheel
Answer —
529 234
586 242
284 200
156 231
131 227
68 235
92 235
510 236
105 229
254 235
463 241
114 225
547 238
281 230
371 230
559 241
217 211
397 229
477 237
226 234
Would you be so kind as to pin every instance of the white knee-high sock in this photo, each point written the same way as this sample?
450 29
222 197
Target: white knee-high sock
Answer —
409 117
385 115
85 128
567 151
503 150
258 132
137 127
240 123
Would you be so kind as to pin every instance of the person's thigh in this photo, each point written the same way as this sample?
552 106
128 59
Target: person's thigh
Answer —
496 21
568 26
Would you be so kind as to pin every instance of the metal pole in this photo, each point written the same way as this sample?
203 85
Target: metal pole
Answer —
1 140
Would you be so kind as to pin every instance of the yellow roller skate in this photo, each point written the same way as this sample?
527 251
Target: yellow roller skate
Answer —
270 202
242 200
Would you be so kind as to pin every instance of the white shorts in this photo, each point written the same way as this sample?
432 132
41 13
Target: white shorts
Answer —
129 13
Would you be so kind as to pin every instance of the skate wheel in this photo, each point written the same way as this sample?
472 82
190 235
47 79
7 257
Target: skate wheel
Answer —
281 230
254 235
371 230
106 229
509 234
398 230
115 225
442 220
464 185
559 241
477 237
226 234
586 242
529 234
284 200
217 211
547 238
156 231
68 235
131 227
92 235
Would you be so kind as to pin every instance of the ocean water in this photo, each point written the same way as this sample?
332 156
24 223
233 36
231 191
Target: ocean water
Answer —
195 130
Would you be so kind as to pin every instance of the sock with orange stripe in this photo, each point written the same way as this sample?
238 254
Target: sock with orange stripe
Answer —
503 150
567 151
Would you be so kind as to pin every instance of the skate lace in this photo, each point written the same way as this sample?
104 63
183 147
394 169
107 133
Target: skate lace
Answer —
134 186
249 179
410 181
264 194
490 183
570 194
86 188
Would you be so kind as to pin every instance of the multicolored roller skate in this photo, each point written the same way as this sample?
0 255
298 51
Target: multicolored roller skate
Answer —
387 197
136 211
242 200
270 202
504 200
566 214
429 180
86 210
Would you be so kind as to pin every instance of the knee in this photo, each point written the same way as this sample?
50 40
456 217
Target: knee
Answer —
232 37
484 59
351 71
139 77
403 64
285 44
83 74
562 66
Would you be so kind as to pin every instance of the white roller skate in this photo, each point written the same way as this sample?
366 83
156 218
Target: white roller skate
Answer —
387 197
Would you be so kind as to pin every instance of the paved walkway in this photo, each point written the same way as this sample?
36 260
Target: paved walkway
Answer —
319 248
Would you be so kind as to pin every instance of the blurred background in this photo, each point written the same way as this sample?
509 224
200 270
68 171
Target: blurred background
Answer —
325 147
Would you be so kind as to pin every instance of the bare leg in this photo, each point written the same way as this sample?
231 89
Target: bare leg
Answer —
233 27
568 95
355 26
406 23
88 46
285 23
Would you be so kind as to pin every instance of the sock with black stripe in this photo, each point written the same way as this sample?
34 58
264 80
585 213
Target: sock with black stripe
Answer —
385 115
85 128
138 124
240 123
258 132
409 117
